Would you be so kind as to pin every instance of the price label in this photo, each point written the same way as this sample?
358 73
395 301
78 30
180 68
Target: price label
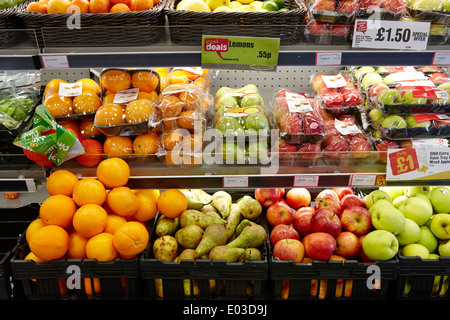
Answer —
306 181
363 180
328 58
403 161
240 53
54 62
235 182
441 58
386 34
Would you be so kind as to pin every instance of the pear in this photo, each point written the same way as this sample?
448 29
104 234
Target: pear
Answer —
214 235
203 220
251 236
165 248
208 208
251 254
221 200
186 254
190 236
166 226
233 219
226 253
250 207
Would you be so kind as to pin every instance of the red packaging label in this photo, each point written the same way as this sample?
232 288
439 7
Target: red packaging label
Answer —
403 161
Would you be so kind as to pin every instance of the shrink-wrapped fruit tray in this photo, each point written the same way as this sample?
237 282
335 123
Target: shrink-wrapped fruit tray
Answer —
333 11
435 16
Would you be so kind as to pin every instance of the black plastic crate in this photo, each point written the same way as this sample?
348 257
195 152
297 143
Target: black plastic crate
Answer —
422 279
114 280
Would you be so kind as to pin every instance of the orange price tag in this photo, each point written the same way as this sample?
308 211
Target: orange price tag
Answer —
403 161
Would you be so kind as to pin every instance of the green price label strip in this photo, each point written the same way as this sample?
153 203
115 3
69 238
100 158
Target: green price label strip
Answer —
240 53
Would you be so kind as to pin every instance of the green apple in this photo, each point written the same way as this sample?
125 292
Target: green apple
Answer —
370 78
221 91
258 150
226 100
397 202
394 122
380 245
381 203
250 87
232 152
374 196
440 199
257 121
421 196
249 100
408 191
438 30
376 116
229 126
388 218
444 248
435 5
440 226
445 85
389 97
413 123
393 192
446 5
389 79
417 209
427 239
415 250
409 234
362 70
409 98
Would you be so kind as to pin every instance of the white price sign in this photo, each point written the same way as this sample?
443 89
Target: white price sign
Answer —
235 182
386 34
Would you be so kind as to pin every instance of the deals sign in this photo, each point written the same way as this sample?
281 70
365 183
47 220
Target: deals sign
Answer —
431 163
240 53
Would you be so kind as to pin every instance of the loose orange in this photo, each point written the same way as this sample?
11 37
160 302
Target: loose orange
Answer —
32 228
88 129
113 172
140 110
52 87
171 203
90 220
99 6
146 143
147 207
77 246
86 102
141 5
61 182
170 106
49 243
109 114
58 210
101 247
114 221
59 106
58 6
89 84
38 6
131 238
118 146
89 191
123 201
78 6
115 80
146 81
120 7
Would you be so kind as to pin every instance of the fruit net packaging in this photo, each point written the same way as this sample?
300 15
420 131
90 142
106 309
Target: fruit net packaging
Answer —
331 272
437 11
378 9
333 11
336 93
171 269
407 92
184 108
129 96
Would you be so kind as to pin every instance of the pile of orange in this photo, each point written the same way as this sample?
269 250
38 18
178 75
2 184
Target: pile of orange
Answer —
85 103
90 6
92 218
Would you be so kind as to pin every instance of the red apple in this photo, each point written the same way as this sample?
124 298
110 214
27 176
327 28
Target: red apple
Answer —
359 148
342 191
279 213
335 147
317 82
361 254
376 88
298 197
286 149
325 5
351 200
356 219
283 231
289 249
352 98
383 146
267 197
328 193
349 6
291 124
331 99
319 245
324 220
347 244
302 220
309 151
438 78
282 191
393 5
328 203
